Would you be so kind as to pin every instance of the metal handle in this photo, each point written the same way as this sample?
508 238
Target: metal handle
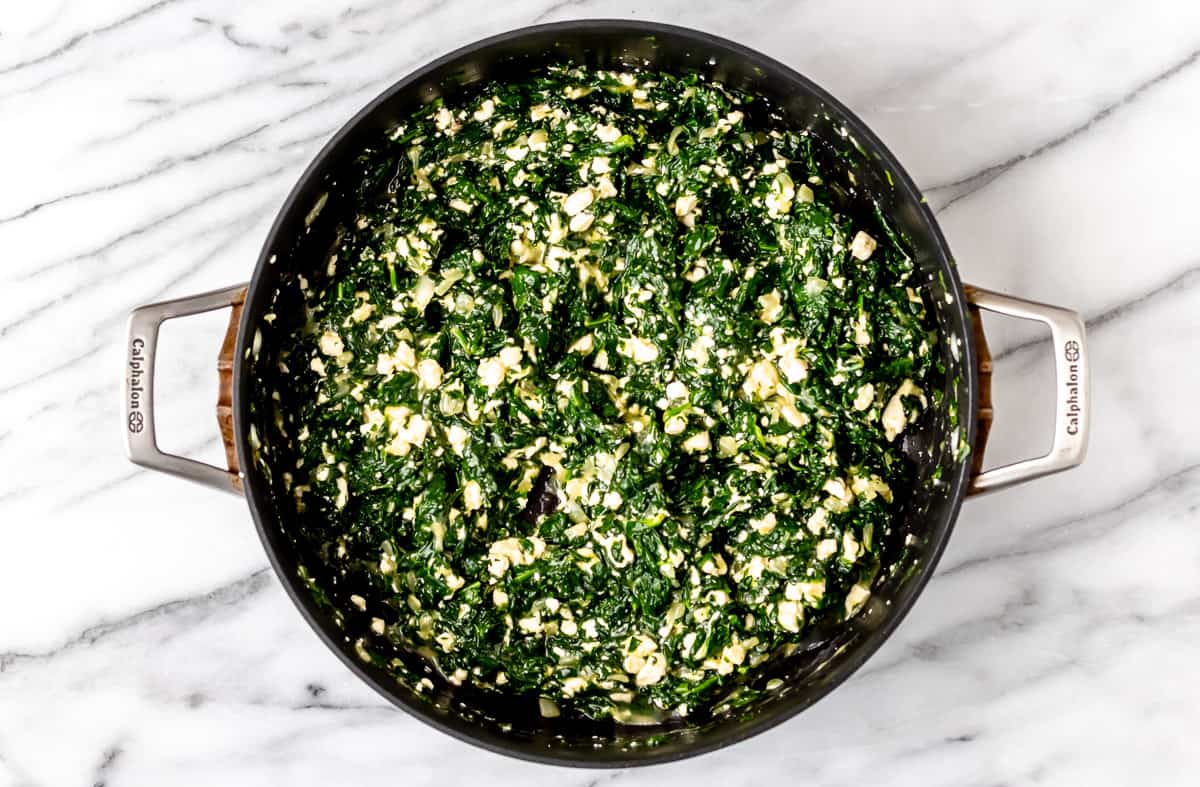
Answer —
140 443
1072 412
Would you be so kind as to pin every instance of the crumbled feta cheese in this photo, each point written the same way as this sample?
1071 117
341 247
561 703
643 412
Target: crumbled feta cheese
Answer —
779 197
578 201
429 374
761 381
363 310
863 246
851 549
582 345
491 373
864 398
789 615
581 222
857 596
764 525
772 307
652 671
472 496
894 417
486 110
331 343
676 390
818 521
639 349
607 133
403 359
862 336
407 430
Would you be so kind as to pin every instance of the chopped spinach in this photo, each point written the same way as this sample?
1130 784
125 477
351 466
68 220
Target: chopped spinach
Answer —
602 393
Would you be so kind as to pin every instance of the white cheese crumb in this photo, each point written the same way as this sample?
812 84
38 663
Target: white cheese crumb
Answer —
765 525
583 345
851 549
572 685
407 429
607 133
772 307
429 374
857 596
486 110
491 373
578 201
403 359
423 292
866 395
818 521
457 437
761 381
863 246
362 311
697 442
581 222
789 613
331 343
605 187
779 198
652 671
640 350
676 390
472 496
894 418
862 336
685 203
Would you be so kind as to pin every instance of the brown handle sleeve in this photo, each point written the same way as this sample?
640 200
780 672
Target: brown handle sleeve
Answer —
225 362
983 378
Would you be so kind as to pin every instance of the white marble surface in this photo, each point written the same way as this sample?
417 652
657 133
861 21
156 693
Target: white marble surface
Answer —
147 146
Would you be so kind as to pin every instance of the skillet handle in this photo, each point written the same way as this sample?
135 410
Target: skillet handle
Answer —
1072 417
140 443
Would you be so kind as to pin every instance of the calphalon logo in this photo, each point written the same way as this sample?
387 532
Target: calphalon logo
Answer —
137 367
1071 355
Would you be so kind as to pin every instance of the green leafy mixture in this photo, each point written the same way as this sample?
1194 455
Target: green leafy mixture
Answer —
601 396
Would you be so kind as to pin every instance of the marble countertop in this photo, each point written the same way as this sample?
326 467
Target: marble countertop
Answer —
148 145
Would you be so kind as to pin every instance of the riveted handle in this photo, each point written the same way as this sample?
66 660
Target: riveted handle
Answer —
1072 412
141 347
